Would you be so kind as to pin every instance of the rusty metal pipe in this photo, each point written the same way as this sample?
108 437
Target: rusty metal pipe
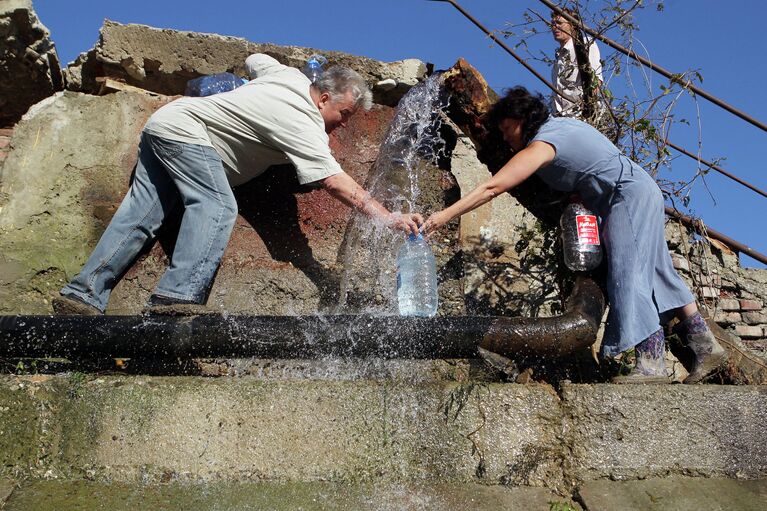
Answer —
303 337
699 226
717 168
574 330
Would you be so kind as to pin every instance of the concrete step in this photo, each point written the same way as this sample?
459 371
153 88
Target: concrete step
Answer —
43 495
152 429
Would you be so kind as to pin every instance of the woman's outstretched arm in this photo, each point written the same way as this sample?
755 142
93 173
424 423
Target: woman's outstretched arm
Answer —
521 166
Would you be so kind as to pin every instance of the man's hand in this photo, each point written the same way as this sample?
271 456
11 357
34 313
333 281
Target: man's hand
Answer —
344 188
408 222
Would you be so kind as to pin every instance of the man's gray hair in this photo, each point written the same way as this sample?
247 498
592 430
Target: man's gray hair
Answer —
339 81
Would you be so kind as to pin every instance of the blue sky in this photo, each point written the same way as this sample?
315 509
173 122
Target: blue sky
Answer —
723 40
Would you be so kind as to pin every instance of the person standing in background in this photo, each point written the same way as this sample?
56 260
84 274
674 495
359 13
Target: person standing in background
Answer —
576 72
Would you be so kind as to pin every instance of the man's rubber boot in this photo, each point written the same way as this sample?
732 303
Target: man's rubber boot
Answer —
708 354
66 305
650 367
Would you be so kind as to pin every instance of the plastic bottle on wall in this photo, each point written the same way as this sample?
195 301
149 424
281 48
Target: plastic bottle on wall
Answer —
416 278
313 67
580 237
213 84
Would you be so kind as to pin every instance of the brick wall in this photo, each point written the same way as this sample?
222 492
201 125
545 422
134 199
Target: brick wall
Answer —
734 295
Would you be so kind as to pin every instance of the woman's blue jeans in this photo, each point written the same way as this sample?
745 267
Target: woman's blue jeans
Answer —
166 172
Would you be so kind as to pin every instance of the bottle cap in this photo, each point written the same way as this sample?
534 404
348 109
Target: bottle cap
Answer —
414 237
316 60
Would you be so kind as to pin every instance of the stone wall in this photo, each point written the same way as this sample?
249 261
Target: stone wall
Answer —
509 259
29 65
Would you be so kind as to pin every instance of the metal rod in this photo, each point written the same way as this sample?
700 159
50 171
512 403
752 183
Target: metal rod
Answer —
671 76
711 233
508 50
553 88
716 168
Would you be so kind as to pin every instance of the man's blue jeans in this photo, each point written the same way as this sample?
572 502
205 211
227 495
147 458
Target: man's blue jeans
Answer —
166 172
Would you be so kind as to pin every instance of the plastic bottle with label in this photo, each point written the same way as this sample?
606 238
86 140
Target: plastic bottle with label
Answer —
313 67
213 84
416 278
580 237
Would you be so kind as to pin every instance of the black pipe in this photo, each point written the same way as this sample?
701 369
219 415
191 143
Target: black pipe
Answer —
302 337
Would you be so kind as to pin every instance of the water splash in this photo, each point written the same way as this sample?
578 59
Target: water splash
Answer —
411 148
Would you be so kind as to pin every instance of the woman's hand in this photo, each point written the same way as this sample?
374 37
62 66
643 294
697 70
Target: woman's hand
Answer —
408 222
435 222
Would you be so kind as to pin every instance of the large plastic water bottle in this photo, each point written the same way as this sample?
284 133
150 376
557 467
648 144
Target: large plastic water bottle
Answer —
313 67
416 278
213 84
580 237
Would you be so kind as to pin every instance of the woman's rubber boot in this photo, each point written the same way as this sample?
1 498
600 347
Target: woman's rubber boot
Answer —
650 366
708 354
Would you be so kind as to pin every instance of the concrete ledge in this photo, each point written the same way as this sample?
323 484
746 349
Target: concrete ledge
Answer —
153 429
7 487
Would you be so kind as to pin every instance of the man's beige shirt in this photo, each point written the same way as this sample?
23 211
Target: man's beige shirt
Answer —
268 121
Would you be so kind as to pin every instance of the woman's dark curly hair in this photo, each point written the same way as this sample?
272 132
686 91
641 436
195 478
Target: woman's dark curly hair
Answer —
519 104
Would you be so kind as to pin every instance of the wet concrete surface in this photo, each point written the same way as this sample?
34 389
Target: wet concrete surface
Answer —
266 496
675 494
659 494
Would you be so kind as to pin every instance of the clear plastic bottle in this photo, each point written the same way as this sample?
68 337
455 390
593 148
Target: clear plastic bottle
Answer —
313 67
580 237
416 278
213 84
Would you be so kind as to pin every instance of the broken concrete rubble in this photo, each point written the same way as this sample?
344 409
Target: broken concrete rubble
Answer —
29 66
163 60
